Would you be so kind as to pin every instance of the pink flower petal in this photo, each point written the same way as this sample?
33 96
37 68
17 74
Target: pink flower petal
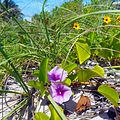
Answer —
60 93
57 74
59 99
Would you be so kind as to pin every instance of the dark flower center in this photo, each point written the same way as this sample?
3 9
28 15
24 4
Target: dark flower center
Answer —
61 90
106 19
55 77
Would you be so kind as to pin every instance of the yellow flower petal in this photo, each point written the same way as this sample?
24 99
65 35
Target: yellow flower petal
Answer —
76 26
107 19
118 19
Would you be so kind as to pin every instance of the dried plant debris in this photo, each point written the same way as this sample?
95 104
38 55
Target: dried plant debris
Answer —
83 104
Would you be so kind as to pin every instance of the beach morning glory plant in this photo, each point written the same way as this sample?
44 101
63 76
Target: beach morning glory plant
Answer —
60 93
57 74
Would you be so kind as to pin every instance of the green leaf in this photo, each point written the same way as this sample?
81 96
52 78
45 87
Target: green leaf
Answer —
110 93
34 84
37 85
43 71
54 114
67 81
83 51
98 70
73 77
35 73
86 74
105 53
70 68
41 116
57 108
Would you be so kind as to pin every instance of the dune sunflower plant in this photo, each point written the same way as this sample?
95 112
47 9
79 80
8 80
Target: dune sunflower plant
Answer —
107 19
76 26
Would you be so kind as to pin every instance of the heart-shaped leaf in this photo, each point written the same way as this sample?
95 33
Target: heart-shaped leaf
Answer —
86 74
83 51
98 70
69 68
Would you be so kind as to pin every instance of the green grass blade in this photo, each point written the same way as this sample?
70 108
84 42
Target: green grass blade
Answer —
15 72
9 91
57 108
46 30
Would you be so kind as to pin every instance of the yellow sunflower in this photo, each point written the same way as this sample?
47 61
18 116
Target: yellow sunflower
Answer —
107 19
76 26
118 19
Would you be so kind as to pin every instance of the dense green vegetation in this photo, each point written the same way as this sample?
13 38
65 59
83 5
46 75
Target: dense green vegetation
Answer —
14 11
71 33
31 38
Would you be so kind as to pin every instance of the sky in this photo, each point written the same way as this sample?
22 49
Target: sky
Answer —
32 7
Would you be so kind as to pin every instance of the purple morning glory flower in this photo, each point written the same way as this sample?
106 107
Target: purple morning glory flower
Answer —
60 93
57 74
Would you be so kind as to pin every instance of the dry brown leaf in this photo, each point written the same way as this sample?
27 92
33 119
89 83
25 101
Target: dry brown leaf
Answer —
83 104
84 83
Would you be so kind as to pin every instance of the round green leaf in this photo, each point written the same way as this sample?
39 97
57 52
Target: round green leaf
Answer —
110 93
